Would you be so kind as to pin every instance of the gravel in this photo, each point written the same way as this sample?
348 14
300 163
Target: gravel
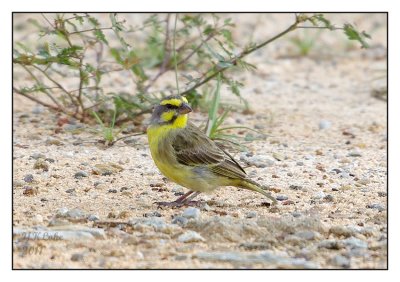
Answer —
264 257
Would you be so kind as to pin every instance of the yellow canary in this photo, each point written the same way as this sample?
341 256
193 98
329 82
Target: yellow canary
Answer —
187 156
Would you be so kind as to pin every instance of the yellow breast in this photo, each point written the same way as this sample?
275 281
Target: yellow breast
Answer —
163 154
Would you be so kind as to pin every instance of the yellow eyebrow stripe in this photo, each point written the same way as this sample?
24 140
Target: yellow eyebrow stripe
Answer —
174 102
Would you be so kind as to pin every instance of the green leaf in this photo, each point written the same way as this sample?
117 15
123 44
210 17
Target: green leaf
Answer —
321 18
227 34
117 55
219 57
353 34
225 65
100 36
94 22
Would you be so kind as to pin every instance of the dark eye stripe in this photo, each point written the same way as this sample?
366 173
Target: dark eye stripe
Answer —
169 106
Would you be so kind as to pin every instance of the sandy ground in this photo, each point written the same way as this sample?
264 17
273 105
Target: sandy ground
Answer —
325 160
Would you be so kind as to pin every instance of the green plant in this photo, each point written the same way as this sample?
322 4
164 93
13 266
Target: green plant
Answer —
305 42
198 48
109 133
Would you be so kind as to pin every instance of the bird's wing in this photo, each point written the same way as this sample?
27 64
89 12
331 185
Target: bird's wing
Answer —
193 148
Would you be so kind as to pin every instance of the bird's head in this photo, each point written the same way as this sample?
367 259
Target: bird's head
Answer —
172 110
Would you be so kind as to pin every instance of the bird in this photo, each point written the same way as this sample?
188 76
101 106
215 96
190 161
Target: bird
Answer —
187 156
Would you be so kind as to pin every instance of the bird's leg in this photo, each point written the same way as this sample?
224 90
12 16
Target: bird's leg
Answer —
188 201
178 202
182 199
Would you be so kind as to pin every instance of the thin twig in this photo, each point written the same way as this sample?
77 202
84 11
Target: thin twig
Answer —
233 61
47 20
184 60
167 56
58 109
39 83
56 83
322 27
130 135
176 65
92 29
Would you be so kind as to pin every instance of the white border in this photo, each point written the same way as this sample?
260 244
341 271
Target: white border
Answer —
204 5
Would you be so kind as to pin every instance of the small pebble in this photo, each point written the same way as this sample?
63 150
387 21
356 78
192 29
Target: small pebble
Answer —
306 235
287 202
77 257
123 189
52 141
354 154
341 261
112 191
382 194
295 187
41 164
319 195
28 178
177 189
75 213
299 163
101 186
190 236
340 230
328 198
379 207
81 174
355 243
281 197
38 218
37 156
106 169
70 191
296 214
30 191
152 214
61 212
278 156
191 212
180 220
324 124
18 183
93 217
251 214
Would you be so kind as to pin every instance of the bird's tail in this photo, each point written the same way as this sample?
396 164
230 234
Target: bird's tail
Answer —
254 186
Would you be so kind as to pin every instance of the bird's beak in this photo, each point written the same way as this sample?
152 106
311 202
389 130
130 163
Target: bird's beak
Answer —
184 109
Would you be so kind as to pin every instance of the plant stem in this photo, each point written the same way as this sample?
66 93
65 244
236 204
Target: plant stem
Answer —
240 56
54 108
175 62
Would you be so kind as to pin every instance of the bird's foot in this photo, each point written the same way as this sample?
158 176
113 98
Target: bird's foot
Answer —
197 204
175 204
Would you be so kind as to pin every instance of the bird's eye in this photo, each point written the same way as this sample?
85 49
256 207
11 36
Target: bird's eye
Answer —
169 106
